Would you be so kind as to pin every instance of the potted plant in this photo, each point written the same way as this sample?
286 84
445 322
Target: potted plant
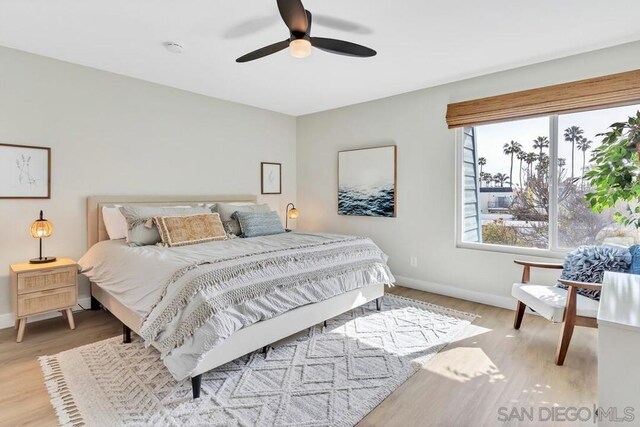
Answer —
615 176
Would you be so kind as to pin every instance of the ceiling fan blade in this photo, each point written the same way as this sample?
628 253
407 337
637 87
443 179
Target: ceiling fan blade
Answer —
264 51
309 21
342 47
293 15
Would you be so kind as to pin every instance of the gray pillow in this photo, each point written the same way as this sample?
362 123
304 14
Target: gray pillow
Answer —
254 224
141 230
588 264
226 211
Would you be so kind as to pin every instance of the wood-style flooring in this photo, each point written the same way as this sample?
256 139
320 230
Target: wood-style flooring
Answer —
465 384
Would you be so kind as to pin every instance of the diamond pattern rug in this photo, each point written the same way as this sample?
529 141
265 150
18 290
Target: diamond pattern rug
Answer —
330 376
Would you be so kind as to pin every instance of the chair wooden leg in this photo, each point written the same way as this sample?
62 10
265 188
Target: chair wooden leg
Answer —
517 321
568 325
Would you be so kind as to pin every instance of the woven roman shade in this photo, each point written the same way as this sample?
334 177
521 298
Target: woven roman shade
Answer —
600 92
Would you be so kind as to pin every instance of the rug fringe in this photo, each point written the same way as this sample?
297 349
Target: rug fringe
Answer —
59 393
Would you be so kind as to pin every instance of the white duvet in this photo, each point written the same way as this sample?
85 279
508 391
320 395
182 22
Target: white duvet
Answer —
153 282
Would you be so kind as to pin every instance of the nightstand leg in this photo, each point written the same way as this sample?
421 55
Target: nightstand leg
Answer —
17 323
21 326
72 324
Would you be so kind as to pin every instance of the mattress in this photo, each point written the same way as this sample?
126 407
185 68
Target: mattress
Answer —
192 298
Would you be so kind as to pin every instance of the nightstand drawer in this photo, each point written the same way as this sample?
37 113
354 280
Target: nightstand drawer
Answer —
43 301
46 279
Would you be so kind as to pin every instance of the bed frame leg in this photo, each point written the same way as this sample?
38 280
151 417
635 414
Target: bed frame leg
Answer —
126 334
325 323
95 304
196 382
379 303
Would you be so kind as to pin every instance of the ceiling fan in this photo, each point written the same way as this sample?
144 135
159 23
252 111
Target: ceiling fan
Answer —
298 20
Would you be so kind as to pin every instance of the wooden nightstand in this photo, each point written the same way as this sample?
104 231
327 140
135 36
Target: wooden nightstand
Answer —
42 288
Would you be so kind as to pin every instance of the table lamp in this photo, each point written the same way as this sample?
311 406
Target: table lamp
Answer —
292 213
39 229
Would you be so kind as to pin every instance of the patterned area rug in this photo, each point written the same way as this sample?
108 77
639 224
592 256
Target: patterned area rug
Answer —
326 376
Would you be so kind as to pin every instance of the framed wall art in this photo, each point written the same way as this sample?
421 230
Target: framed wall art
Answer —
271 178
25 172
367 182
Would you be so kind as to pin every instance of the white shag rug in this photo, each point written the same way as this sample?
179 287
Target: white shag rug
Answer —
330 376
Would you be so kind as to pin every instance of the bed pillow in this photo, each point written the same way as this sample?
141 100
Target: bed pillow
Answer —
141 229
226 211
114 222
254 224
190 229
588 264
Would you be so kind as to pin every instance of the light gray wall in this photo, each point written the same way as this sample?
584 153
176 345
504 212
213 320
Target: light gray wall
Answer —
425 225
116 135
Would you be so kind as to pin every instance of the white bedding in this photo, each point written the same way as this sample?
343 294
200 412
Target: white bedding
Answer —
148 280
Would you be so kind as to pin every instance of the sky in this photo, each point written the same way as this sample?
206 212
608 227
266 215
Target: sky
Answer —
491 138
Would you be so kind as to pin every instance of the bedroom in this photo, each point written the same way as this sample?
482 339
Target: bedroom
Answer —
124 117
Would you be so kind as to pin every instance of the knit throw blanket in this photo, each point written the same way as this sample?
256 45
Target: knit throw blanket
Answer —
259 285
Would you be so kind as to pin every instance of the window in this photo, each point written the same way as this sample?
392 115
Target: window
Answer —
523 182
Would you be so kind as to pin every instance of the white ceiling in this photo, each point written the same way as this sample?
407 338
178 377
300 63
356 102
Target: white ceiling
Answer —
420 43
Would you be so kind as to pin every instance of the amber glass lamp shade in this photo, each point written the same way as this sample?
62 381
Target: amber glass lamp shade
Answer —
292 213
41 228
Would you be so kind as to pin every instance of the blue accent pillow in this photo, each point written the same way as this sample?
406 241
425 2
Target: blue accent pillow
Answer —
254 224
635 259
588 264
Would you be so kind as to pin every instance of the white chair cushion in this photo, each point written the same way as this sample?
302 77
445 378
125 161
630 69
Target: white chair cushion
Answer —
550 301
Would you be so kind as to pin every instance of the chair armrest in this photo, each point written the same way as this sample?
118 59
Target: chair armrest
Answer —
582 285
526 271
554 265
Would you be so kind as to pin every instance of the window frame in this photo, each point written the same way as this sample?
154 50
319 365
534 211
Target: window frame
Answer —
553 251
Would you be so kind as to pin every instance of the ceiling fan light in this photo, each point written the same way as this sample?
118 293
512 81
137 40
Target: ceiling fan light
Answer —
300 48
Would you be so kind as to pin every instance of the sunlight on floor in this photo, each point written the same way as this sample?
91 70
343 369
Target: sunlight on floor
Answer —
463 364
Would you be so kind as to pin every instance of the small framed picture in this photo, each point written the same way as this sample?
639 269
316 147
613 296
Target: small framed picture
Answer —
25 172
271 178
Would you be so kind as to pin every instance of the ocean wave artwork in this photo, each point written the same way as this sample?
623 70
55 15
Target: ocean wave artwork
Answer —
367 182
367 201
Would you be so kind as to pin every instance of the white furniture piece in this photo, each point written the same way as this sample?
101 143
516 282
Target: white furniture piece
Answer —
555 304
42 288
244 341
619 348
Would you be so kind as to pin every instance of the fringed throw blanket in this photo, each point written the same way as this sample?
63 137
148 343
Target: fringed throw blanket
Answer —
205 303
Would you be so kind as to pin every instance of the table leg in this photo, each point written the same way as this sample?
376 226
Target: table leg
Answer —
72 324
21 327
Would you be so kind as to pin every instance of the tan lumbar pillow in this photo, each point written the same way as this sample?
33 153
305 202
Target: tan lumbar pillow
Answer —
190 229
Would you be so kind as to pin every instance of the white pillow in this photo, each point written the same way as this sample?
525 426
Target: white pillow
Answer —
114 222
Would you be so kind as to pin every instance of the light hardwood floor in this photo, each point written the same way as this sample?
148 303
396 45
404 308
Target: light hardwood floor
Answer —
465 384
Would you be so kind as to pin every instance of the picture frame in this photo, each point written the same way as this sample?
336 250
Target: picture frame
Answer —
270 178
25 172
367 182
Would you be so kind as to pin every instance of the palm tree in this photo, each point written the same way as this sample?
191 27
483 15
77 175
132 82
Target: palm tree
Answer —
562 162
529 159
540 143
583 145
482 161
500 178
543 165
573 134
521 156
511 148
487 178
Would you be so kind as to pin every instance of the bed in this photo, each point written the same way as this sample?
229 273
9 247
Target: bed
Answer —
162 294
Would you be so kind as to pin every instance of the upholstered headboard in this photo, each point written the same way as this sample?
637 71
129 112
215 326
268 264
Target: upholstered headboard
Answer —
97 232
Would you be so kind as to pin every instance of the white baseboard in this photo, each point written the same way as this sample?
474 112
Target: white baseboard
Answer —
452 291
6 319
